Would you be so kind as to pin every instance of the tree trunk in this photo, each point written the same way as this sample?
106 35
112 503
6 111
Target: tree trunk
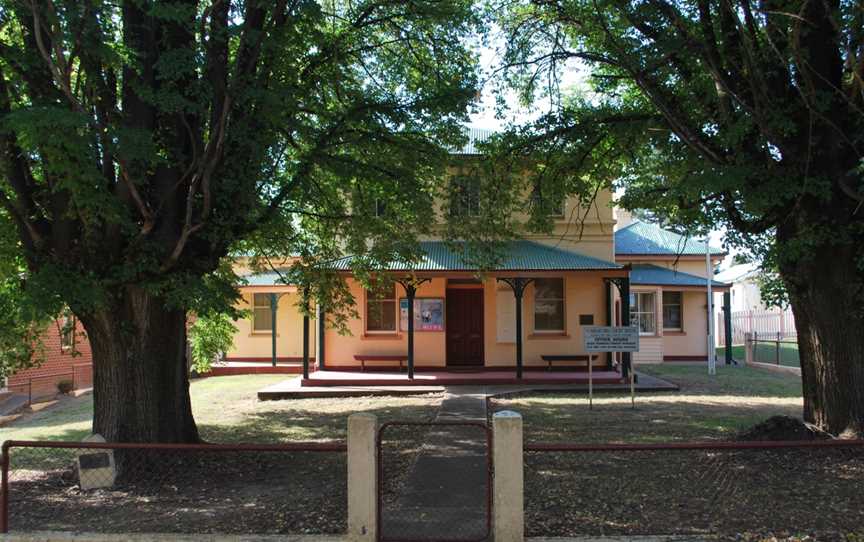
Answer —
824 290
140 372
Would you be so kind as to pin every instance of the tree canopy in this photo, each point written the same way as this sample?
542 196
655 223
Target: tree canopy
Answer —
747 115
141 141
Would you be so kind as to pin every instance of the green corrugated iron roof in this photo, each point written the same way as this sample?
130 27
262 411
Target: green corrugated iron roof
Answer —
475 136
515 256
642 238
654 275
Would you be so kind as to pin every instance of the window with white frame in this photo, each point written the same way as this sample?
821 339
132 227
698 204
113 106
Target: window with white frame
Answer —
262 314
549 304
381 310
67 331
672 310
643 312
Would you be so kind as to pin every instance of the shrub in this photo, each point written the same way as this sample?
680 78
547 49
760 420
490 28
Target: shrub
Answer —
65 386
209 336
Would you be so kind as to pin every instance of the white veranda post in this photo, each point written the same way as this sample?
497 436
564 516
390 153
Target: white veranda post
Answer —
709 271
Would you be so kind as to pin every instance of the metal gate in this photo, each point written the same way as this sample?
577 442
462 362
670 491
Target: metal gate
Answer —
435 482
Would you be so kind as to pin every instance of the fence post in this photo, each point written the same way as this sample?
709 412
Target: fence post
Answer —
508 523
362 478
4 487
748 348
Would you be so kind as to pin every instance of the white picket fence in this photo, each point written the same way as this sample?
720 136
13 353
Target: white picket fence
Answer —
773 323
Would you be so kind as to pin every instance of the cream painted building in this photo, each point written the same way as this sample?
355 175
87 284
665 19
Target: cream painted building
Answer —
464 319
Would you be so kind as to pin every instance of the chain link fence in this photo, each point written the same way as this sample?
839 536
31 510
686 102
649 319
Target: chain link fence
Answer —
434 481
752 491
295 488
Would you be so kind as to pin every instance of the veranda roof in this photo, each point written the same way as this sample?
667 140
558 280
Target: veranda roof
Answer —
654 275
643 239
514 256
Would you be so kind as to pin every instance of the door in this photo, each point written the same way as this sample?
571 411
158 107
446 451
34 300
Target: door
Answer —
465 327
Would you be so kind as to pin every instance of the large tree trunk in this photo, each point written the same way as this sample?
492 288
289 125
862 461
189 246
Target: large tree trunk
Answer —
824 293
140 375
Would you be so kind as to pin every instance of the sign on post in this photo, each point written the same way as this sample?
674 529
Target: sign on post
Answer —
610 339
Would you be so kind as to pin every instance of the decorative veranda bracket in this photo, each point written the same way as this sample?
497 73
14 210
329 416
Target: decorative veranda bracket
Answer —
411 284
518 285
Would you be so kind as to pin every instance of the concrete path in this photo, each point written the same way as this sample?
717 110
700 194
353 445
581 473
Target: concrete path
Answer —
445 494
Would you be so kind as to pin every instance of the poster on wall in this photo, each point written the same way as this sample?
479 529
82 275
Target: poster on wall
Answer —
428 314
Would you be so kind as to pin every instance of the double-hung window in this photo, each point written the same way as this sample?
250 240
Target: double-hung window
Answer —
549 305
262 315
381 310
643 312
465 196
672 311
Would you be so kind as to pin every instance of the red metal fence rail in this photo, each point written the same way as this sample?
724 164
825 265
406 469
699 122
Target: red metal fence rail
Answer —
152 466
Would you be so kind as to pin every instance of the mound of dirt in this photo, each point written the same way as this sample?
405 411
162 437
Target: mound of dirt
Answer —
783 428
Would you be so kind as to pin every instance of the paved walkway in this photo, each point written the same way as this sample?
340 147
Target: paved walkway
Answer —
445 493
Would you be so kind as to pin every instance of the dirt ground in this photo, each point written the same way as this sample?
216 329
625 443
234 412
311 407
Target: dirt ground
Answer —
740 495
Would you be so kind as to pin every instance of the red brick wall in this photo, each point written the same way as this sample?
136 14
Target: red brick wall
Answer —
58 364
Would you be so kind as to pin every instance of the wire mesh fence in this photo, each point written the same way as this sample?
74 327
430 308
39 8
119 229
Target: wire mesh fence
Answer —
434 481
46 387
755 493
240 489
775 348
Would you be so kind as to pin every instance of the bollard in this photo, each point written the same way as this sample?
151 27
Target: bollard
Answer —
748 348
362 478
508 499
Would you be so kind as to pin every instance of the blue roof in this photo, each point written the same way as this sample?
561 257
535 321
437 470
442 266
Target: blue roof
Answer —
654 275
514 256
644 239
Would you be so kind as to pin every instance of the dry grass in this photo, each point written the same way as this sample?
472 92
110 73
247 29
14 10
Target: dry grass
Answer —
706 408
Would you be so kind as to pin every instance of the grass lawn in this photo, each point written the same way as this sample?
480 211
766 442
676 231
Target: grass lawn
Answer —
766 353
706 408
227 410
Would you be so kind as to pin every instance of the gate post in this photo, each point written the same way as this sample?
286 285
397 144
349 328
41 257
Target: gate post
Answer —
748 348
362 478
508 523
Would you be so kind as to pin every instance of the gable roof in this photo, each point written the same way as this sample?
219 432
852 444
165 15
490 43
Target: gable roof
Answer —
515 256
475 136
737 272
654 275
644 239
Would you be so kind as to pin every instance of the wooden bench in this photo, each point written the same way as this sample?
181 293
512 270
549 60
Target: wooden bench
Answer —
363 358
590 358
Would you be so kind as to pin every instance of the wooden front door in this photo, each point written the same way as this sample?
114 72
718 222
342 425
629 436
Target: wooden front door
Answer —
464 327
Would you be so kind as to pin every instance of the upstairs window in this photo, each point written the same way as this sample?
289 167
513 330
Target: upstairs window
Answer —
549 305
547 204
465 196
672 311
643 312
381 310
262 315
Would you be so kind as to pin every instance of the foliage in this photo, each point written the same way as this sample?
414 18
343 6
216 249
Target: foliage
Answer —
141 143
209 336
65 386
746 116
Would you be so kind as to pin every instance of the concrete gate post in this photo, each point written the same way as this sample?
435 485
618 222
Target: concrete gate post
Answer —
748 348
362 478
508 522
